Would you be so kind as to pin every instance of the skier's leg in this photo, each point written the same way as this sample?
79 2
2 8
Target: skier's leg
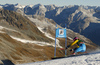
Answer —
82 48
75 51
78 50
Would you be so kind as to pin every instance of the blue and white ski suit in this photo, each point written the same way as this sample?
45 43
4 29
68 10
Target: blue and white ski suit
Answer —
81 46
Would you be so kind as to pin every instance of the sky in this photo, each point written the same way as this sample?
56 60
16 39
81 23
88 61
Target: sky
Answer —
56 2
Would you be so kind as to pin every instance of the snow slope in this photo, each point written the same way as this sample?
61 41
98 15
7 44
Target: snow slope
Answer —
91 59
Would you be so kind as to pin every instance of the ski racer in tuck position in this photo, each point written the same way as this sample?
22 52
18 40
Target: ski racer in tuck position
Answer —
81 47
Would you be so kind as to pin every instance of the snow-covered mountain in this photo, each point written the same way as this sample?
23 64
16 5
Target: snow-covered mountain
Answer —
82 19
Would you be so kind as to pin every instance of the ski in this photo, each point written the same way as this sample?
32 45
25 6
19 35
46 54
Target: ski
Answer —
69 56
62 57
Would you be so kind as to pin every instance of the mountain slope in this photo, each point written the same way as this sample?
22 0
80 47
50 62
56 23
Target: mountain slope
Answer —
18 52
13 28
15 21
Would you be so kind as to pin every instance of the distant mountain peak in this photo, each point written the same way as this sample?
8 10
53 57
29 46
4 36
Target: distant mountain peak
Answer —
38 5
17 4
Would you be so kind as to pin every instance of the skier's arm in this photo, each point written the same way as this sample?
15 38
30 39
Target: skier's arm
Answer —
74 42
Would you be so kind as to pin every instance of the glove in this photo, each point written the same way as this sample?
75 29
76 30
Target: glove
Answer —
71 50
67 47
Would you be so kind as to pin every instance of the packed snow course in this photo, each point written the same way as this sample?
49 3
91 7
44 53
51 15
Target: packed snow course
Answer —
90 59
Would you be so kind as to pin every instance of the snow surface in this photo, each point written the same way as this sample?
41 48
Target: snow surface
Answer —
2 32
1 28
0 6
19 6
41 27
90 59
36 42
49 36
31 41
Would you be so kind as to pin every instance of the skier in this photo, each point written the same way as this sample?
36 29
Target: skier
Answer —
81 47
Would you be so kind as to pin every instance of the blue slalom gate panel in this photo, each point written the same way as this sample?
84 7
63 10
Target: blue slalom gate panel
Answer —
60 33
